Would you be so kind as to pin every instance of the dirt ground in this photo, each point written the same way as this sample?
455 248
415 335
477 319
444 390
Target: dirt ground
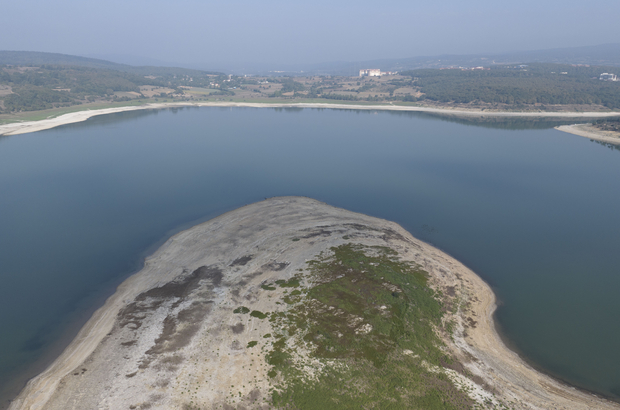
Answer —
5 90
151 90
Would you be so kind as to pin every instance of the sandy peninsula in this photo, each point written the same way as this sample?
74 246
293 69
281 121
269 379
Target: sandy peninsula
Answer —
591 132
33 126
173 336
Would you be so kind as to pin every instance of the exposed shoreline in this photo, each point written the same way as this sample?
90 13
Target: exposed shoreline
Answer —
79 116
591 132
265 229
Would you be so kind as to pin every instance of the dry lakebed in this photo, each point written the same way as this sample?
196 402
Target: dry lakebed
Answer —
292 303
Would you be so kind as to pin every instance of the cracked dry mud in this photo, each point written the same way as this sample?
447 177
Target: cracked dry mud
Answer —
174 335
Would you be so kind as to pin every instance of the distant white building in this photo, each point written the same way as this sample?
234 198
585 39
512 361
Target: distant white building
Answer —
370 72
608 77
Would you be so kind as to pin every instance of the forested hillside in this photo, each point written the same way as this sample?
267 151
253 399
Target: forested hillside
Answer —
520 84
37 81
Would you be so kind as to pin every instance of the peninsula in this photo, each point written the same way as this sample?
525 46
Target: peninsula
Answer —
593 132
292 303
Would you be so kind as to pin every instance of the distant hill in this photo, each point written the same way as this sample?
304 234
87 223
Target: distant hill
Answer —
602 55
32 81
36 58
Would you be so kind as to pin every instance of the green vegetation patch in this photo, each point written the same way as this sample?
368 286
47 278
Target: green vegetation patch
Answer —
266 286
291 283
258 314
371 319
241 309
252 343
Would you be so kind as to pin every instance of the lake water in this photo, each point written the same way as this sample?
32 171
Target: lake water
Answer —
532 210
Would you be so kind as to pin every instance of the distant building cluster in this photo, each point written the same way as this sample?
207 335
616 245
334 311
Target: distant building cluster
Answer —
608 77
375 72
370 72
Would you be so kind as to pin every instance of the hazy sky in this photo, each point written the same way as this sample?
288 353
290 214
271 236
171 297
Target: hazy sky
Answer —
285 31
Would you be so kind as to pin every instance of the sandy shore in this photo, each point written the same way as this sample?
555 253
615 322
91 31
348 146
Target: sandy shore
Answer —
33 126
591 132
169 339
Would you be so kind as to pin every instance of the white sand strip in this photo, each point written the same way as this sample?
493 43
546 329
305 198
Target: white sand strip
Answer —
591 132
33 126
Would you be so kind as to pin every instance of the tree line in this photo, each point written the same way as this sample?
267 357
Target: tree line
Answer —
48 86
519 84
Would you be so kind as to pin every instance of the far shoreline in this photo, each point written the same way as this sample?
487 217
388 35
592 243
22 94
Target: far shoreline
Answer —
15 128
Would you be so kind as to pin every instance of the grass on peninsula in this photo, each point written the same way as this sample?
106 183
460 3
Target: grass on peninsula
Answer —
369 323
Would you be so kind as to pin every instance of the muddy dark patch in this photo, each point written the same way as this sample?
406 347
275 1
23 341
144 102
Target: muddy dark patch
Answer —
177 331
155 397
360 227
181 288
130 343
253 275
235 292
170 363
162 383
480 382
171 338
392 234
323 232
275 266
238 328
450 291
134 313
454 365
254 395
471 322
241 261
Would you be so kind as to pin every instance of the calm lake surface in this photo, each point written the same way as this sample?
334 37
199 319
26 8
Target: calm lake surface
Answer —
533 211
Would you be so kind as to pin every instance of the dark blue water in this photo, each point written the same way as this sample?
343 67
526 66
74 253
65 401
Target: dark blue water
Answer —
533 211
